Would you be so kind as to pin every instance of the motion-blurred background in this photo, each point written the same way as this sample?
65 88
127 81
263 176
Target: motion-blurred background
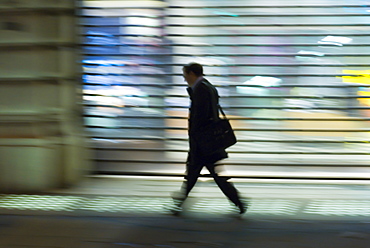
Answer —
101 81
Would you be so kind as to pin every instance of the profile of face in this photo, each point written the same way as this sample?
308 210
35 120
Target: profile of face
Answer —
185 75
189 77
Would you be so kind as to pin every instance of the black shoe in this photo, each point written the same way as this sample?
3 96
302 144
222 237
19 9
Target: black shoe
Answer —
178 200
176 210
242 207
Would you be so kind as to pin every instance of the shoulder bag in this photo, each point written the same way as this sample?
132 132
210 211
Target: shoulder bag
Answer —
217 136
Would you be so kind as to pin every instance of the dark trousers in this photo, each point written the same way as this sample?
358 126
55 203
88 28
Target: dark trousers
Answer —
193 173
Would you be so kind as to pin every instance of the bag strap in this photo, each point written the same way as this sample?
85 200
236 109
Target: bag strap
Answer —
222 112
214 90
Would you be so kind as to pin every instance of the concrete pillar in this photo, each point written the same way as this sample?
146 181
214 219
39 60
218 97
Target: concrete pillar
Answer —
42 142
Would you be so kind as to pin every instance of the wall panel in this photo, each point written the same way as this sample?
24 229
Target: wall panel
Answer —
42 141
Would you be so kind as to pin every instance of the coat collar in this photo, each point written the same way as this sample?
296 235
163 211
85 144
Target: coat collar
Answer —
199 79
192 88
190 91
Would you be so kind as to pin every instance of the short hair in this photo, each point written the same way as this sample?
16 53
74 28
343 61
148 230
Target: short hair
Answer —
196 68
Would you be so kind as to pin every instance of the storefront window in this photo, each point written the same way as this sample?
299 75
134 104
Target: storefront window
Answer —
292 78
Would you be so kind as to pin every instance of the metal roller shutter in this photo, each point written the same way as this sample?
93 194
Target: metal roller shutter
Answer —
293 78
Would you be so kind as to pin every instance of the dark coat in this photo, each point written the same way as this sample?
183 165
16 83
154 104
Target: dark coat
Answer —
203 108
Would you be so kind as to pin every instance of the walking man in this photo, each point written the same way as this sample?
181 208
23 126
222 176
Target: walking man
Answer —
204 103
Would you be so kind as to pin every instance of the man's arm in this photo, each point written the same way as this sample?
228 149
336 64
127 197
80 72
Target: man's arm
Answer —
201 108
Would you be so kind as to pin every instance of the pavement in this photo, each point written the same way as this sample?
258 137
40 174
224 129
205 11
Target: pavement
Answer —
133 212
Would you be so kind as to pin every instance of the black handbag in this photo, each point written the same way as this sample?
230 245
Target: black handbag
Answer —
218 135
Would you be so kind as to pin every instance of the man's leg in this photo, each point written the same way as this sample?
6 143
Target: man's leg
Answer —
192 175
227 188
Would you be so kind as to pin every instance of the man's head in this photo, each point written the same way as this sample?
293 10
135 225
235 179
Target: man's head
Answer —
192 72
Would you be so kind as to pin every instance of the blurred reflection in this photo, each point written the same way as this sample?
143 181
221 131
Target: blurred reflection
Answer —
293 79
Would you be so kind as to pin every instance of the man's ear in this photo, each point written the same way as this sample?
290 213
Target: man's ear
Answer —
192 74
